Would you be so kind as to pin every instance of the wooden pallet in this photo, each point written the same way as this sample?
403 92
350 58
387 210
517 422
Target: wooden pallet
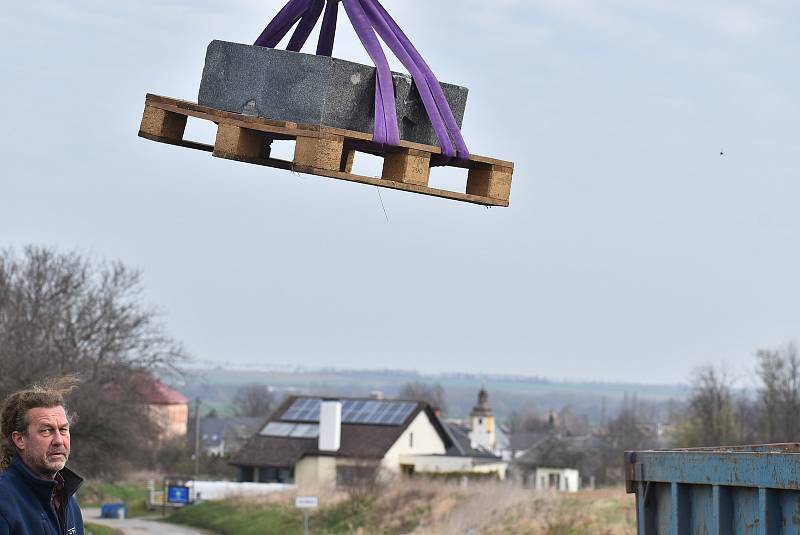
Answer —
322 151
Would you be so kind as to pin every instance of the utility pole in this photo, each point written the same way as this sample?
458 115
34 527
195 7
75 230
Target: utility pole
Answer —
197 437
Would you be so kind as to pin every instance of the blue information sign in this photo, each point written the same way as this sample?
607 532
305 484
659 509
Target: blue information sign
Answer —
176 494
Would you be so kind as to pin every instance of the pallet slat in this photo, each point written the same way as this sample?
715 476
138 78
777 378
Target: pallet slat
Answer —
323 151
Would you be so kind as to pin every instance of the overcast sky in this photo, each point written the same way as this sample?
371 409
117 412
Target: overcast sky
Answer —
632 250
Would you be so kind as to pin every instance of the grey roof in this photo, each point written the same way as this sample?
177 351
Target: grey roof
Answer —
502 438
243 426
359 441
462 445
525 440
558 451
213 430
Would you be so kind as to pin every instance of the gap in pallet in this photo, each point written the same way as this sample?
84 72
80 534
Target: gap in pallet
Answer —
282 149
200 131
367 164
449 178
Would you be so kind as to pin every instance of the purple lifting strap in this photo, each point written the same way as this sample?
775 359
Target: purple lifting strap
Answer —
328 31
433 84
386 129
423 85
368 17
282 23
307 23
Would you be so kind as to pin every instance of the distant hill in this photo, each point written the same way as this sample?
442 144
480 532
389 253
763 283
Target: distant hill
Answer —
216 385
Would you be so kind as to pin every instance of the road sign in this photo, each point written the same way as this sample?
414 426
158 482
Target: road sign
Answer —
178 494
306 502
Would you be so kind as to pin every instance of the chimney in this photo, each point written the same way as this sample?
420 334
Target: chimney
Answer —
330 425
376 394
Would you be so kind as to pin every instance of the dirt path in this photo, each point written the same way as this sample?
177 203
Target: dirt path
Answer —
138 526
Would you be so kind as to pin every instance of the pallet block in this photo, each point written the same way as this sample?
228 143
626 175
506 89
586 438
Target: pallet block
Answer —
323 151
409 165
163 124
490 180
235 140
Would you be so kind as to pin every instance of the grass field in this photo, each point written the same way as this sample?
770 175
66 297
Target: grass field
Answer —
426 508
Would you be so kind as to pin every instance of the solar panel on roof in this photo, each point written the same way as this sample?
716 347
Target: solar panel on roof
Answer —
305 431
303 409
277 429
354 411
386 418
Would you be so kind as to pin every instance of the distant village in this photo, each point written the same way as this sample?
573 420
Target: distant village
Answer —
314 441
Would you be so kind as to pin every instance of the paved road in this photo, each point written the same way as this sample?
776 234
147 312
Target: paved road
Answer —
137 526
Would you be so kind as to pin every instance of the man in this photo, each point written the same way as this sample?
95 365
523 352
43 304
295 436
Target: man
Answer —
36 490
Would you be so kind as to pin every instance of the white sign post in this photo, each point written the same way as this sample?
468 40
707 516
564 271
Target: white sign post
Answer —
305 503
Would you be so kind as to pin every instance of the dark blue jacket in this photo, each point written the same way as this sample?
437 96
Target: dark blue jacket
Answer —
26 503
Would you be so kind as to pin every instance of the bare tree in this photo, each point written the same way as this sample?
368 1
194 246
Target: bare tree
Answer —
633 428
556 452
572 423
779 371
710 419
528 420
749 419
254 399
61 313
628 432
433 394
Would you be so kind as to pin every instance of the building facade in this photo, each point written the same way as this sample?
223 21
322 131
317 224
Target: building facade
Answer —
167 408
305 444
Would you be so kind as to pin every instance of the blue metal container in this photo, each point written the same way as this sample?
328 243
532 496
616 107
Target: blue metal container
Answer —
114 510
716 491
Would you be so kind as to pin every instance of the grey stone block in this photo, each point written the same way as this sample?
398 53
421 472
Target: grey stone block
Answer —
310 89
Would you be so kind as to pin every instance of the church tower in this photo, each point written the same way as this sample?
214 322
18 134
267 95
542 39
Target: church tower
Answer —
482 432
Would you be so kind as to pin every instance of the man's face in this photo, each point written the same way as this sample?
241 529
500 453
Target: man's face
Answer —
45 447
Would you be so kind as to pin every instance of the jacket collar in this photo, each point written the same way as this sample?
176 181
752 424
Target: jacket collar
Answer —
43 488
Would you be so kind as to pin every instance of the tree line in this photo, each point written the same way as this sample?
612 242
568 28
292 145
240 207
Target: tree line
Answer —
720 412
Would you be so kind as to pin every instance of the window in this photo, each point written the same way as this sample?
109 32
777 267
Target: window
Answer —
272 474
285 475
246 473
411 440
267 474
407 469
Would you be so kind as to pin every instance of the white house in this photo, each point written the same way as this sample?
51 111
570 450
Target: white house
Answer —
310 442
560 479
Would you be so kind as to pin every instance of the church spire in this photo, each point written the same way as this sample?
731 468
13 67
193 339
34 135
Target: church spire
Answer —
482 408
